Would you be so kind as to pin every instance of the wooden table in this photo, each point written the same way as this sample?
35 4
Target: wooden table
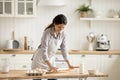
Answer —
21 74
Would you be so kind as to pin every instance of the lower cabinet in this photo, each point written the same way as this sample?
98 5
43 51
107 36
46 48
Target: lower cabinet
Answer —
109 64
18 61
91 62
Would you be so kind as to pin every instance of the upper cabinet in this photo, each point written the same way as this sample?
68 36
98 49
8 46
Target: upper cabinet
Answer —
6 8
17 8
25 8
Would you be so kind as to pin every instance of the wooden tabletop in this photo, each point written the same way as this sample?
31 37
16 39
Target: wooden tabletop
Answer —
21 74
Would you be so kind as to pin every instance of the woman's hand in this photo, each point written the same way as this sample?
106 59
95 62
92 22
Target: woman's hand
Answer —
52 68
70 66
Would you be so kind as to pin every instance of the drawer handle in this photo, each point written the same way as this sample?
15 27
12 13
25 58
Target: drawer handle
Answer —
13 55
83 55
24 66
110 56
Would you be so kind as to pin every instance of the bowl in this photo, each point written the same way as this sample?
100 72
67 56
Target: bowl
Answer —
92 72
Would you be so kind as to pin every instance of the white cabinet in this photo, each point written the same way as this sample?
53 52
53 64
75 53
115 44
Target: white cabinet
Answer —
17 8
111 66
18 61
25 8
21 61
6 8
91 62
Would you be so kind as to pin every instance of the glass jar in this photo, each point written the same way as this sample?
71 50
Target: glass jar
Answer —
5 65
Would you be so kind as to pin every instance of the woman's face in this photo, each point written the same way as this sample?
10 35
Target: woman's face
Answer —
59 27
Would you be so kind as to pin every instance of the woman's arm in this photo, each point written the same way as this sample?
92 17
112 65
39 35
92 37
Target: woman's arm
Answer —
63 47
44 46
70 66
52 68
65 53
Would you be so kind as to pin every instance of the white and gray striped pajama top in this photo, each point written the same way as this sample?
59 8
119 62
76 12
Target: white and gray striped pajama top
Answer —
48 47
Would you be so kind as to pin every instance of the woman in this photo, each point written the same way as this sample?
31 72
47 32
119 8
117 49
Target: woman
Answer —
53 38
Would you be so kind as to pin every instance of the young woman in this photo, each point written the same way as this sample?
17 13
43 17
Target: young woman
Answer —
53 38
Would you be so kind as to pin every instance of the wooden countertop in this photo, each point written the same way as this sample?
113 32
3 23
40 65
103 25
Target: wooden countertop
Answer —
110 52
15 51
21 74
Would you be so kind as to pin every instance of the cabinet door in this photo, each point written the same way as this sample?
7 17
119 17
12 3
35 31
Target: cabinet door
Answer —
18 61
8 56
60 63
25 8
6 8
90 62
21 61
111 66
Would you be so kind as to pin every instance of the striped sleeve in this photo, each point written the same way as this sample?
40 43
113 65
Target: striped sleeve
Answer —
44 45
64 49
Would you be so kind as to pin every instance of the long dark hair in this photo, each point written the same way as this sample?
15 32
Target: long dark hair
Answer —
59 19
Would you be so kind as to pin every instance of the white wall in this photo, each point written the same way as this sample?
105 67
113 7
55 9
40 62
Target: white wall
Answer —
76 30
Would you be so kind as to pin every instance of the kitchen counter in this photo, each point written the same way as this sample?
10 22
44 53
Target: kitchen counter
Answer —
21 74
86 52
110 52
16 51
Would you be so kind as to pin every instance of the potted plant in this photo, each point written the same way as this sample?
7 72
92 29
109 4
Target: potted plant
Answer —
83 10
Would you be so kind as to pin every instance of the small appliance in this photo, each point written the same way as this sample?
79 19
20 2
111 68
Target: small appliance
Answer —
103 44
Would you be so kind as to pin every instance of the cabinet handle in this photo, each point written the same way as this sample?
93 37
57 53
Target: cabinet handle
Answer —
13 55
56 58
110 56
60 60
83 55
24 66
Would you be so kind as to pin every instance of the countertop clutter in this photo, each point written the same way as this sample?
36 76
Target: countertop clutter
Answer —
20 51
21 74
